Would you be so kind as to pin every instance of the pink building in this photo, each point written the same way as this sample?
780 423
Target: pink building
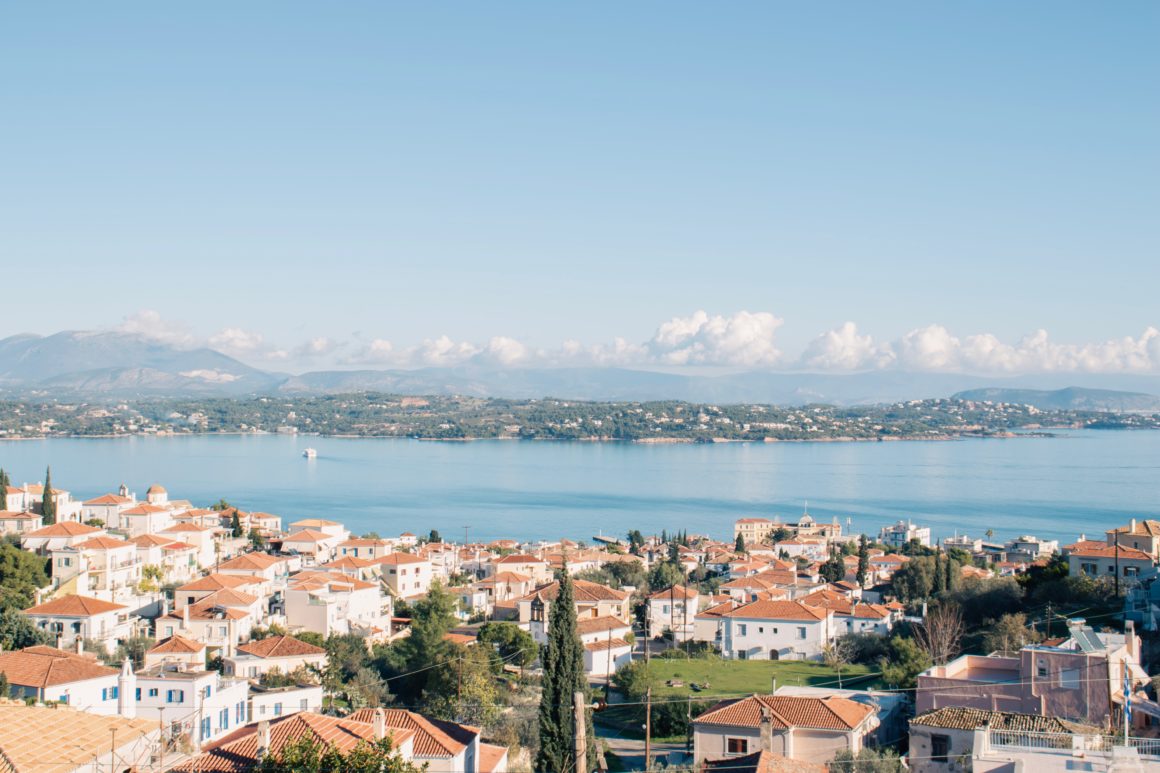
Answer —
1076 679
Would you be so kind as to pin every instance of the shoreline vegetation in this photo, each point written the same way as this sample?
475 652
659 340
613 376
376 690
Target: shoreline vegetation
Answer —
464 419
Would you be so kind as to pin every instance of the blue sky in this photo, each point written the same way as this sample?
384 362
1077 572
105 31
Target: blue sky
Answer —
296 181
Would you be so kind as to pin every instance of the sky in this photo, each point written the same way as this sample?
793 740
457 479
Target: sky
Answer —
827 186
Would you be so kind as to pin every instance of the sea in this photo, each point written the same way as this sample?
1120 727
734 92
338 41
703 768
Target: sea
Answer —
1076 482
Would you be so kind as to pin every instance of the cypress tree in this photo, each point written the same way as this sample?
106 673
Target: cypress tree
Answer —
940 576
951 567
739 545
563 676
863 561
48 504
236 525
3 489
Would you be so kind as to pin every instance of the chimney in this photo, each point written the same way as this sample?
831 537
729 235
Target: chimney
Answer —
127 691
263 738
380 723
766 730
1130 640
79 646
185 617
1132 527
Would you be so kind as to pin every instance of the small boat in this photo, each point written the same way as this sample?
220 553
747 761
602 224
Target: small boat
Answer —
310 453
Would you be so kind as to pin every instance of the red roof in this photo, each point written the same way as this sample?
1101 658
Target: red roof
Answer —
785 711
73 606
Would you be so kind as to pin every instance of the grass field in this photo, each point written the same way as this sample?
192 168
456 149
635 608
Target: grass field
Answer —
743 677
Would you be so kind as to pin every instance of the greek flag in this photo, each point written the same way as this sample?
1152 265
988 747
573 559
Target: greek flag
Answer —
1127 696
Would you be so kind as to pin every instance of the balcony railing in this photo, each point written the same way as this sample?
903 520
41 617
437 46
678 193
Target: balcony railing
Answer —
1066 742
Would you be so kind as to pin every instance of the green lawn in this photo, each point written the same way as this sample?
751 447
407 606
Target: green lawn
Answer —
744 677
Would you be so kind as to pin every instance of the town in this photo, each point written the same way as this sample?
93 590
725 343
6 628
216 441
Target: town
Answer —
149 634
436 417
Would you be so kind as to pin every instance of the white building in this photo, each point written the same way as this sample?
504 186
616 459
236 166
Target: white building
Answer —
406 574
607 644
48 674
58 535
328 603
202 705
284 654
902 533
74 617
776 630
674 610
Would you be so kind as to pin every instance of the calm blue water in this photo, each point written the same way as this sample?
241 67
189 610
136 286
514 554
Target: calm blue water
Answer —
1052 487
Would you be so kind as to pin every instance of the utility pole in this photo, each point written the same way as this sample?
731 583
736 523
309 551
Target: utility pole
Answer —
581 734
648 728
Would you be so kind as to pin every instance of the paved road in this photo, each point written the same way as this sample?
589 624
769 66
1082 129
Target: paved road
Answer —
631 751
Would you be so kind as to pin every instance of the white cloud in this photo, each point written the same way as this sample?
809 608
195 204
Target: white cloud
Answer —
234 340
315 348
442 351
504 351
743 339
844 349
148 323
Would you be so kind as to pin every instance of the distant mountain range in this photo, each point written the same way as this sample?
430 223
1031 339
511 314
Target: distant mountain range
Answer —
1069 399
108 365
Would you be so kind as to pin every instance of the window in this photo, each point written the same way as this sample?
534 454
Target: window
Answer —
191 599
152 692
1069 679
205 728
665 609
224 719
224 630
208 691
277 709
940 747
169 630
736 746
240 713
1041 668
104 693
801 632
742 655
742 629
175 696
138 696
304 704
761 629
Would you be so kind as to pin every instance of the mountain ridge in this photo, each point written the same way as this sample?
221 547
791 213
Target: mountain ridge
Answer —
117 365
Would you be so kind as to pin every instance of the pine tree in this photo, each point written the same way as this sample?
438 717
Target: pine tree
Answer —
940 576
3 489
563 676
863 561
48 504
952 573
739 545
236 525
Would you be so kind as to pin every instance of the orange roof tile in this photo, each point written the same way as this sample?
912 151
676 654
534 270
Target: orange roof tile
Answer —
280 647
777 610
73 606
176 644
64 529
433 737
785 711
48 666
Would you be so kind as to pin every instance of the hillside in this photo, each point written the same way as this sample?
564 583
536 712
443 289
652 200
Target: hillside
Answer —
1068 399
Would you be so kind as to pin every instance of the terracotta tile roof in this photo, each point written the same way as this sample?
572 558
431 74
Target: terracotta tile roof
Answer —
508 577
150 540
48 666
280 647
519 558
604 623
777 610
314 523
237 752
178 546
156 488
960 718
64 529
184 528
583 591
675 592
176 644
465 639
433 737
605 644
350 562
228 597
251 561
308 535
109 499
394 559
214 582
16 515
62 740
103 543
365 542
831 713
753 520
490 757
1145 528
144 509
717 610
1093 549
73 606
762 762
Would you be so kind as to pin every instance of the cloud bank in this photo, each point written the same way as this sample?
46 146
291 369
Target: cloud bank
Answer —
742 339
